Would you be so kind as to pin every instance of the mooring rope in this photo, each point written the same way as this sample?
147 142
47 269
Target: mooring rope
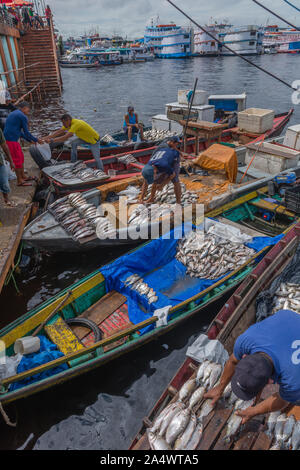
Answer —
293 6
6 418
231 50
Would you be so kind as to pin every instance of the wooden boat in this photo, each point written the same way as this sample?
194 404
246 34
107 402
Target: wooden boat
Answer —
113 167
245 204
78 65
234 137
238 314
89 299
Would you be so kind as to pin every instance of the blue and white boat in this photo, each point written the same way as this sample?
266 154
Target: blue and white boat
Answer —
168 40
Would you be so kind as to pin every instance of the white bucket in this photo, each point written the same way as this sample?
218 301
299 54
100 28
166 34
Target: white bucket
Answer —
27 345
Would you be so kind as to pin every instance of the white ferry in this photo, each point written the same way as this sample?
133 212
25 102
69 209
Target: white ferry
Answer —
169 40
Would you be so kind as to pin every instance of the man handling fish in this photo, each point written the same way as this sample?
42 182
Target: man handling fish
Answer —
268 352
85 135
163 167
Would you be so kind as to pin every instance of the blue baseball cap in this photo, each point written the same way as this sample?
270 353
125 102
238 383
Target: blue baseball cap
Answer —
252 374
148 173
174 139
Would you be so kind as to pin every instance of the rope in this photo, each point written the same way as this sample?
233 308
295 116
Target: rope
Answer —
293 6
277 16
231 50
6 418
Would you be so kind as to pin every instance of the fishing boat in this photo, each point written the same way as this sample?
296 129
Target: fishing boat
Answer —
248 204
116 168
79 59
120 319
233 137
237 315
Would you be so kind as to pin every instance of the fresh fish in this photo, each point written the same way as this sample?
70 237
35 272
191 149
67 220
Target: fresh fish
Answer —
271 422
235 421
207 373
281 420
206 409
169 417
233 398
156 442
187 389
215 375
182 441
196 437
196 397
227 391
287 430
177 425
201 370
159 419
295 441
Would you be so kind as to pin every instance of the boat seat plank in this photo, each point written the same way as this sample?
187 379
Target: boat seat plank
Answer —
266 205
100 311
214 428
263 442
142 444
62 335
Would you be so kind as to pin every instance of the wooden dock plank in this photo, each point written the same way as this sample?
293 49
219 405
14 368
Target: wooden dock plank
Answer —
214 428
14 219
263 442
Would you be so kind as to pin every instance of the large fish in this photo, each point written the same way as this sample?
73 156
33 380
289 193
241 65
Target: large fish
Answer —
177 426
169 417
196 437
196 397
187 389
157 442
182 441
271 422
295 440
235 421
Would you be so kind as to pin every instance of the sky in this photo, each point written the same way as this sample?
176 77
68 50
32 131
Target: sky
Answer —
129 17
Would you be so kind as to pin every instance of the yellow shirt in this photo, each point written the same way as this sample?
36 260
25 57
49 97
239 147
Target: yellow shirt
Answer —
83 131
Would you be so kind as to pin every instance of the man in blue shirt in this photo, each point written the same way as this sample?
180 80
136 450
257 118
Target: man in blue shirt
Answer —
163 167
268 352
16 127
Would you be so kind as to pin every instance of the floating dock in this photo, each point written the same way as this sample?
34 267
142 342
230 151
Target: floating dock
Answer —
14 219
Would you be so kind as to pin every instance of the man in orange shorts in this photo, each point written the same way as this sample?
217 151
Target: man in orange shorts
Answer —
16 126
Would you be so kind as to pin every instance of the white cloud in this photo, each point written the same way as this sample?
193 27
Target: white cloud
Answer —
129 17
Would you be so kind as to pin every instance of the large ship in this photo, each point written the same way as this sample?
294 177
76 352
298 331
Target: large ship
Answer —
282 40
169 41
245 40
204 44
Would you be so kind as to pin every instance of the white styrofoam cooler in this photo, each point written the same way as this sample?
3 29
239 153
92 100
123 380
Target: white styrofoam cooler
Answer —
205 112
256 120
160 122
292 137
200 97
271 158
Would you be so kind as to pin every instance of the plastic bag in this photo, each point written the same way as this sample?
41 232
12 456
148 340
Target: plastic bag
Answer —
9 368
207 349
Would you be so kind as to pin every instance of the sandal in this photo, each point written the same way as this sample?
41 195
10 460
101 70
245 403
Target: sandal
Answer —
11 204
25 184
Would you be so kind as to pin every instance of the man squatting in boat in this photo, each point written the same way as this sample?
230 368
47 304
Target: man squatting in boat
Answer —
84 135
163 167
268 352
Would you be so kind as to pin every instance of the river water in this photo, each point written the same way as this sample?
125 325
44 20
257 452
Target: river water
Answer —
104 409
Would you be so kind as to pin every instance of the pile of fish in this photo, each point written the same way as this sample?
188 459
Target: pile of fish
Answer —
284 431
207 256
126 159
79 219
137 284
154 134
167 195
180 425
143 214
81 171
107 139
287 297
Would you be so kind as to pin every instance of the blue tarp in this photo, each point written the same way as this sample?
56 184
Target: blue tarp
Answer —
156 264
48 352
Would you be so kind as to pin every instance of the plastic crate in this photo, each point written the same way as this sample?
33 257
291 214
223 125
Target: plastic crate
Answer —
292 199
256 120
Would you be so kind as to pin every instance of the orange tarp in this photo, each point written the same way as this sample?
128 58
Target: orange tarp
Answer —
219 157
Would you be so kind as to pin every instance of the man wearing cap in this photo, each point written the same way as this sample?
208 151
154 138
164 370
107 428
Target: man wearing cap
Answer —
131 124
163 167
268 352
